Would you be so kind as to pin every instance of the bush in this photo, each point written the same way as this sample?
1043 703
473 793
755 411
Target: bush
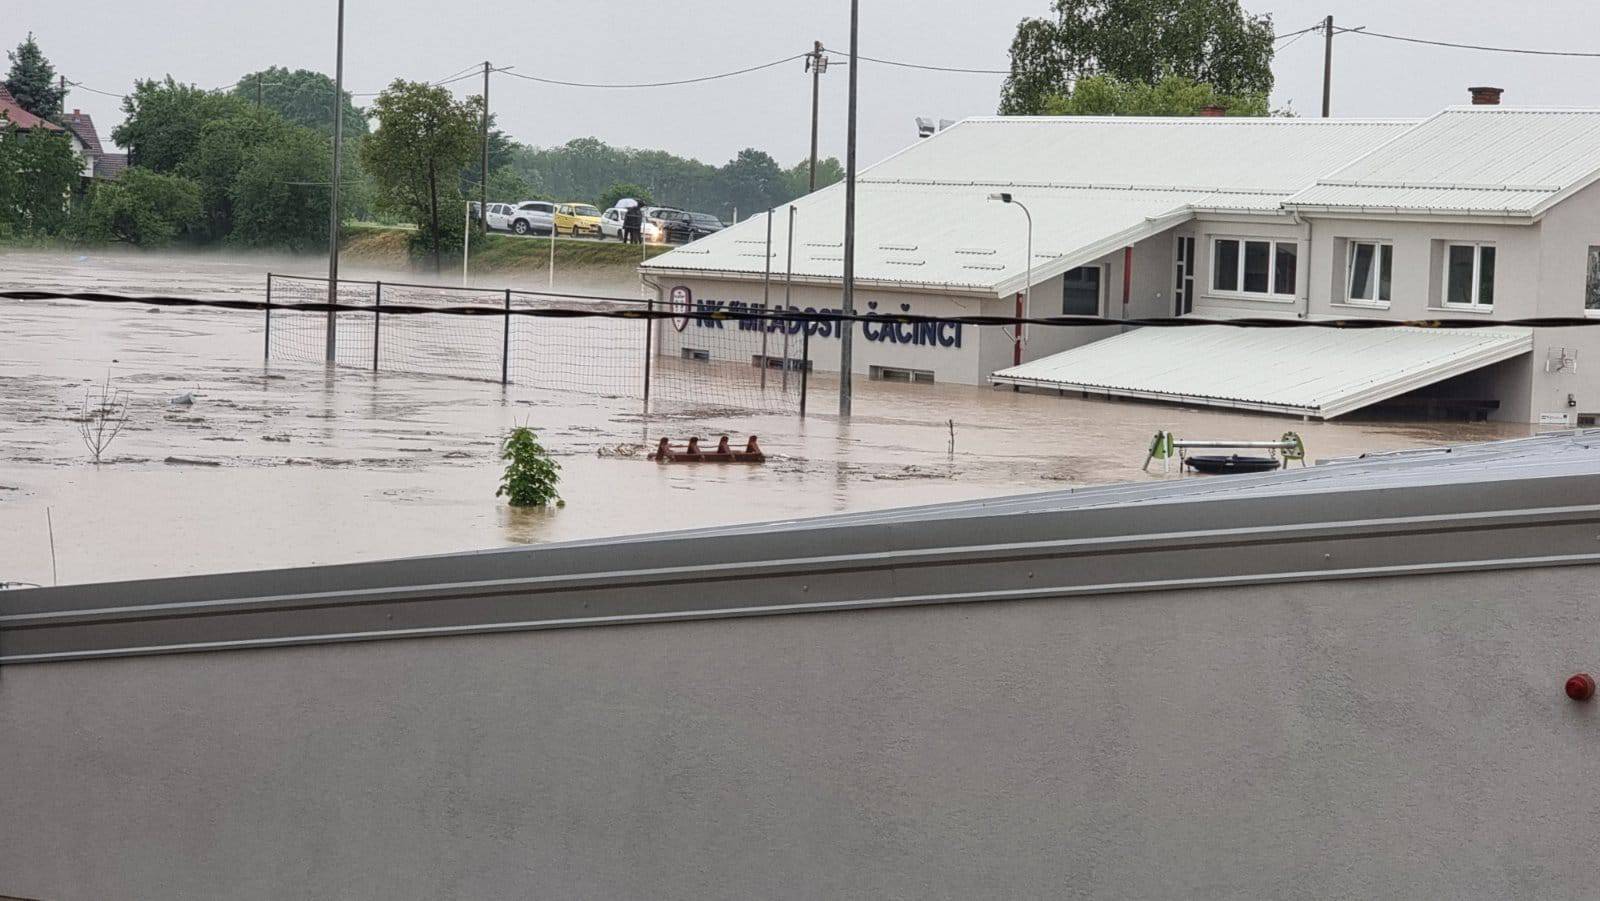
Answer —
144 208
531 476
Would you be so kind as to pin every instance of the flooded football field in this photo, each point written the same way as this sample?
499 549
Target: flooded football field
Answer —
228 461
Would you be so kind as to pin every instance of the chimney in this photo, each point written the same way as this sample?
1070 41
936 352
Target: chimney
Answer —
77 112
1211 109
1486 96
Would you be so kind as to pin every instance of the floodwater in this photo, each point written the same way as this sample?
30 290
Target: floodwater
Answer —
280 465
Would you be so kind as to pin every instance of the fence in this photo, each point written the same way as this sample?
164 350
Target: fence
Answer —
487 338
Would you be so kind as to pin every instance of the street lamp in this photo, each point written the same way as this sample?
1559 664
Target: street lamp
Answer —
1027 286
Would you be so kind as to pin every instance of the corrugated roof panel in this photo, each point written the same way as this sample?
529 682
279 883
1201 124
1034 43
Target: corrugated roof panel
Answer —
1472 159
1227 154
1322 372
1086 181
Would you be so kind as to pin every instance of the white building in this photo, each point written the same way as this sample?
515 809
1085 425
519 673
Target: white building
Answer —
1477 212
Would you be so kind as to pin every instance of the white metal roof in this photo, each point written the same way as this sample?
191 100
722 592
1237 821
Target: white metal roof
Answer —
1092 184
1320 372
1468 160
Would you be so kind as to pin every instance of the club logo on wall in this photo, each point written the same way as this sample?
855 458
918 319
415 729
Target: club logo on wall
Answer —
681 301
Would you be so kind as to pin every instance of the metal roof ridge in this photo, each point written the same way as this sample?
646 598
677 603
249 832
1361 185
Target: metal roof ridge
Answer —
1070 186
1426 186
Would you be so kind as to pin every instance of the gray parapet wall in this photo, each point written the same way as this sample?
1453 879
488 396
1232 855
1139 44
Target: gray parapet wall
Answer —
1342 681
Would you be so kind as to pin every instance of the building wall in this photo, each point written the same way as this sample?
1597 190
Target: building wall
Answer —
1401 738
952 353
1567 232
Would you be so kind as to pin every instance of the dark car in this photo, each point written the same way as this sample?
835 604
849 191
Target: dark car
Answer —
681 226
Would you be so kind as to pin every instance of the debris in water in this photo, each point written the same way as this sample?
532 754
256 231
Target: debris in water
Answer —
282 438
456 455
619 450
191 461
182 400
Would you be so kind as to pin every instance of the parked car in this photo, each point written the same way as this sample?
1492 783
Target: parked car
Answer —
577 219
611 227
682 226
533 216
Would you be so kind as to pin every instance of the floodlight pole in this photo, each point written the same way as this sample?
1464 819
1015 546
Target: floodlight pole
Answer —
1327 64
1027 286
849 275
333 207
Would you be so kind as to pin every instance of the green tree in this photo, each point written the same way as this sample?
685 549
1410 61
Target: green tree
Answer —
501 149
279 196
32 81
507 186
145 208
619 190
302 97
753 181
530 477
38 171
1174 95
165 121
1213 42
424 138
798 178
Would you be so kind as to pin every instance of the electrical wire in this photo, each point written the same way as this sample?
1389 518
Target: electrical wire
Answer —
659 84
1291 34
842 56
81 85
1586 54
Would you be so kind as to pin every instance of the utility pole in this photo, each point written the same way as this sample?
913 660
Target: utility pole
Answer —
818 64
258 92
483 182
1327 62
845 338
333 207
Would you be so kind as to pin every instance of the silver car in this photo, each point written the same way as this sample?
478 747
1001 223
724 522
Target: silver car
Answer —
536 217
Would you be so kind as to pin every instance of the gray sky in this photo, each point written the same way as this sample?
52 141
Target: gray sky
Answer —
107 43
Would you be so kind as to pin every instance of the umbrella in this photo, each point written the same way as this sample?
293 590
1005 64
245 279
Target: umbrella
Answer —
627 203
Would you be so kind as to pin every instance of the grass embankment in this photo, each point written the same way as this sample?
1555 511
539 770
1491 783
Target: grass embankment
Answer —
380 245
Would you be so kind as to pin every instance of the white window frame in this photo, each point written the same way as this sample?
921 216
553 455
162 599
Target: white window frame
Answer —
1268 296
1477 281
1377 245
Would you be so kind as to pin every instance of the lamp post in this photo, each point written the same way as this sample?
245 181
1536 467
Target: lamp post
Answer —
1027 286
333 207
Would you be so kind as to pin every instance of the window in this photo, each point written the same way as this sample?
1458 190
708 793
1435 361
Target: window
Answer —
1368 274
1469 275
1591 288
1080 292
896 374
1259 266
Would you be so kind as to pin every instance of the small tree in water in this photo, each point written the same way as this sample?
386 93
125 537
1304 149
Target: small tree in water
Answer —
531 476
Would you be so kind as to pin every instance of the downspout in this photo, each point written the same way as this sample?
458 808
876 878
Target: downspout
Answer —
1294 216
1127 280
1016 338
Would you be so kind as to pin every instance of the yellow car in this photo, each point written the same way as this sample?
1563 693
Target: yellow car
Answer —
577 219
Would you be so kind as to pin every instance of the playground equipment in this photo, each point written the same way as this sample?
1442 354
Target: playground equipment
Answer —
1280 452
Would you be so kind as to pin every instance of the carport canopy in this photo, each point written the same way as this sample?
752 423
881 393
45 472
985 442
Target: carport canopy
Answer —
1316 372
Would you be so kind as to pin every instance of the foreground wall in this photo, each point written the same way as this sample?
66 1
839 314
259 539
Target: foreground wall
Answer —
1401 737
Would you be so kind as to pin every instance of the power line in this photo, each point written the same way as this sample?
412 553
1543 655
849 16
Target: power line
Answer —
1290 34
1587 54
659 84
923 66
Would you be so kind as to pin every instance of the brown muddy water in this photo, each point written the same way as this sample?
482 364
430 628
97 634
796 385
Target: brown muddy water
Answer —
282 465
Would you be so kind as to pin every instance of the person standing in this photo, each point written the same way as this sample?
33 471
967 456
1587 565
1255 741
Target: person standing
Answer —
633 224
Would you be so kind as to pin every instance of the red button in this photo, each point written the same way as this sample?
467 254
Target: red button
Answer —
1580 687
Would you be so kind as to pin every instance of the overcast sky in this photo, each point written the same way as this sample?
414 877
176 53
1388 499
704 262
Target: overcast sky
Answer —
105 44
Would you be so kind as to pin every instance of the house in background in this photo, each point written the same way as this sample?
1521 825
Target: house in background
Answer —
1479 212
97 162
79 128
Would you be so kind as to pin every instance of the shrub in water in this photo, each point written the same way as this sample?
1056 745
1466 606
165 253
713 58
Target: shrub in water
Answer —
531 476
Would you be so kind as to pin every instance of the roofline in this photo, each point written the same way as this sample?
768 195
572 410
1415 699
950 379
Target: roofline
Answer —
1196 120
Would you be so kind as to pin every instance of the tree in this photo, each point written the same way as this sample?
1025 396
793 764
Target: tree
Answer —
620 190
144 208
165 121
501 148
32 81
753 181
278 197
506 186
1174 95
300 96
1212 42
798 178
38 170
424 137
